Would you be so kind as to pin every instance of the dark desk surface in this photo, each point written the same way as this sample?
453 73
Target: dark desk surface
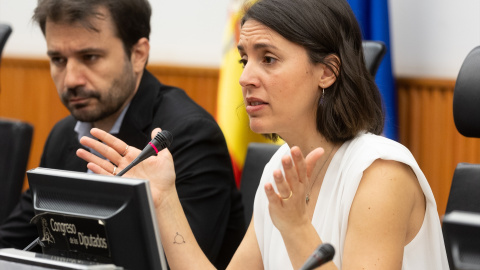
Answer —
16 259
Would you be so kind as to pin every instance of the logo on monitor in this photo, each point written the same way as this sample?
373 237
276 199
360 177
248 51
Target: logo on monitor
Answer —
47 236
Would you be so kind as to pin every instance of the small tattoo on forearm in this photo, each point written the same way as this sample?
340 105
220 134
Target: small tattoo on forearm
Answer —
178 239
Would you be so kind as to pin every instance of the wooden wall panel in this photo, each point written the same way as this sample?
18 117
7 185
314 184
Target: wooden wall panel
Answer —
427 128
27 93
200 83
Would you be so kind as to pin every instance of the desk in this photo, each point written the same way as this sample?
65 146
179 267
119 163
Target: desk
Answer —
16 259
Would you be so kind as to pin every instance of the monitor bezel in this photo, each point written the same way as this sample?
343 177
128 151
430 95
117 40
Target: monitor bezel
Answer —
44 178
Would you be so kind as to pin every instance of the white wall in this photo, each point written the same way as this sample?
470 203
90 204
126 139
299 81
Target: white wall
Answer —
430 38
184 32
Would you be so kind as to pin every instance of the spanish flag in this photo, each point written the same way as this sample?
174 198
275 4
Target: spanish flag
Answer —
231 114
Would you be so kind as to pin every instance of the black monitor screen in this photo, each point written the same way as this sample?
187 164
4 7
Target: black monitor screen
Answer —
96 218
461 231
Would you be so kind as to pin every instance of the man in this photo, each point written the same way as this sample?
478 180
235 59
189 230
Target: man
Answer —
98 51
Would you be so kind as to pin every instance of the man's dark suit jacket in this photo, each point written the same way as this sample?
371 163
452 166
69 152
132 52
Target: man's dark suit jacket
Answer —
205 181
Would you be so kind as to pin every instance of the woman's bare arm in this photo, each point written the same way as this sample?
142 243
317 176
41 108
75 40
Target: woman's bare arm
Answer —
386 214
181 248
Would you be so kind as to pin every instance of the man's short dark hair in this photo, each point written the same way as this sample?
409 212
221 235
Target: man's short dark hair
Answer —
131 18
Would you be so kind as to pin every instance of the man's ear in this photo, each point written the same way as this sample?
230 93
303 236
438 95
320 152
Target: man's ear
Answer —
330 71
139 55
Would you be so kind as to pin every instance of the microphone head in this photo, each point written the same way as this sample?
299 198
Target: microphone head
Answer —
322 254
327 250
163 139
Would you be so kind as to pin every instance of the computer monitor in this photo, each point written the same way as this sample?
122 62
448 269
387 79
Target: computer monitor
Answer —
461 232
96 218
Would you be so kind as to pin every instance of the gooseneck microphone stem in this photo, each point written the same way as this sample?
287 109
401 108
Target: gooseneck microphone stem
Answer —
162 140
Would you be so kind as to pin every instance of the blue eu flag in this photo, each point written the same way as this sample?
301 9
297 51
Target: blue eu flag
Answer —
372 16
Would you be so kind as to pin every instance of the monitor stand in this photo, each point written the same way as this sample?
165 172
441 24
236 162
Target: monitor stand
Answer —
16 259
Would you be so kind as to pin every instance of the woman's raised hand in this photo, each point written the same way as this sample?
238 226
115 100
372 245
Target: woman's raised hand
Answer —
159 170
287 207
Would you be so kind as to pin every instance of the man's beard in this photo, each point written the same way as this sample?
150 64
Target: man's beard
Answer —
108 101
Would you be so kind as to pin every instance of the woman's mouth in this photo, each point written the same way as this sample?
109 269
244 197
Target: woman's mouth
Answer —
255 105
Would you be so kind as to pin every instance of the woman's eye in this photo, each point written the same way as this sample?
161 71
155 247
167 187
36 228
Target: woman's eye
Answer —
269 60
243 62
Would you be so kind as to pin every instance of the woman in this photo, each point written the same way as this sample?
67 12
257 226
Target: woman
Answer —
305 81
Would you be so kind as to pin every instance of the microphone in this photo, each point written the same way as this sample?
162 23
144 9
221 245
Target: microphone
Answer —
323 254
162 140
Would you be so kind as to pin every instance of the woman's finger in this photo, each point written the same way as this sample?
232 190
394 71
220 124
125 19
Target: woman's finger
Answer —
104 150
105 165
119 147
155 131
92 158
283 181
97 169
291 174
299 162
273 197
